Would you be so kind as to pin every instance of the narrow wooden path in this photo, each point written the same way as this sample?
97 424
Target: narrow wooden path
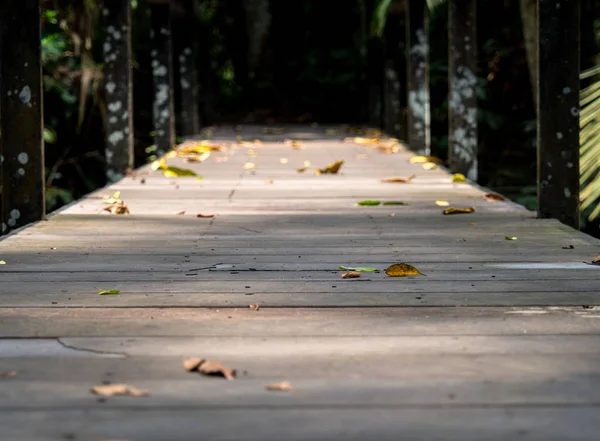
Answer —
500 340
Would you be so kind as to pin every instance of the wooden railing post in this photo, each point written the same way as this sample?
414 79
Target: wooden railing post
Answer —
419 135
185 48
558 110
162 72
462 79
22 145
118 85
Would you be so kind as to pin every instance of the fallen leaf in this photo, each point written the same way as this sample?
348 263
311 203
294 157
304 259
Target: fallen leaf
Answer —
453 210
331 169
120 208
363 141
301 170
205 215
510 237
249 166
423 159
442 203
398 180
2 262
429 166
361 269
388 149
394 203
106 292
254 306
8 374
177 172
596 261
458 177
269 181
181 212
109 390
402 270
252 153
306 163
208 367
492 197
282 386
284 160
114 199
351 275
294 144
368 203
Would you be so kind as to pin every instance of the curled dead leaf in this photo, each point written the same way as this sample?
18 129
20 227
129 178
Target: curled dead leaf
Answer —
301 170
442 203
109 390
454 210
331 169
399 180
596 261
351 275
254 306
458 177
492 197
402 270
208 367
120 208
282 386
181 212
205 215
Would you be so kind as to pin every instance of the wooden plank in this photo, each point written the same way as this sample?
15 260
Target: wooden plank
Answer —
419 136
118 86
462 80
558 110
163 111
22 152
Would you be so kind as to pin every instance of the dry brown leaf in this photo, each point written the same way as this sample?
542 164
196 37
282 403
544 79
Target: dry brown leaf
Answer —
399 180
596 261
208 367
402 270
181 212
442 203
254 306
351 275
454 210
205 215
8 374
492 197
301 170
110 390
120 208
282 386
331 169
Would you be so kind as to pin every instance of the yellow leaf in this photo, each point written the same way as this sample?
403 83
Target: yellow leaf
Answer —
458 177
331 168
2 262
249 166
118 208
429 166
422 159
306 163
114 199
442 203
363 141
453 210
283 160
399 180
176 172
402 270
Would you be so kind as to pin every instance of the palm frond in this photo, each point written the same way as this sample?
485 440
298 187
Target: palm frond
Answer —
589 144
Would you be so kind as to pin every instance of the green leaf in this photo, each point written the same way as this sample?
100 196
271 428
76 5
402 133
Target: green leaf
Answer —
369 203
105 292
510 237
358 268
394 203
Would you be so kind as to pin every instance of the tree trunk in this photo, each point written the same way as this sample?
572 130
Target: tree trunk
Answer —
529 21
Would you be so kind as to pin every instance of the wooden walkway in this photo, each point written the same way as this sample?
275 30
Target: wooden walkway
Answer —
498 341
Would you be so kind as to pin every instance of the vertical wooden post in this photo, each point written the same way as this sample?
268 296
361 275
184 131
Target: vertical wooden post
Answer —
419 136
188 76
22 154
462 79
118 85
162 72
558 110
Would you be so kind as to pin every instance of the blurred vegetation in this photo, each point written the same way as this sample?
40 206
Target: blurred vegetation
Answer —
271 61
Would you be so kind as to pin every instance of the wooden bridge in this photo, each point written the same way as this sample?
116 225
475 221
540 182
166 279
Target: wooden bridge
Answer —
497 339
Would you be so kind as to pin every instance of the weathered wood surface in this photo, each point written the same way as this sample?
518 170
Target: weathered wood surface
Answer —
498 341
